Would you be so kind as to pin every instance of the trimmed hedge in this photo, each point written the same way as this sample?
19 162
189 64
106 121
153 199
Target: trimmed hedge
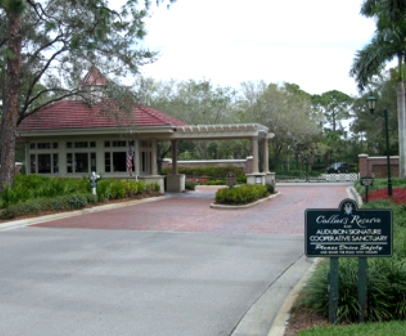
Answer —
213 172
189 185
34 193
34 206
117 189
243 194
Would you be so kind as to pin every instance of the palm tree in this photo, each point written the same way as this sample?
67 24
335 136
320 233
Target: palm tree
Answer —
387 43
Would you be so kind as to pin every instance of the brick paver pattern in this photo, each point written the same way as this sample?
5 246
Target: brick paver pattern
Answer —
191 212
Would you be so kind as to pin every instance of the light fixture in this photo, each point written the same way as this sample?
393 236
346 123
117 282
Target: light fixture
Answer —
371 101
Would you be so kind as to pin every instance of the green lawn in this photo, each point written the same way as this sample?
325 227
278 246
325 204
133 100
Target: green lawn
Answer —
395 328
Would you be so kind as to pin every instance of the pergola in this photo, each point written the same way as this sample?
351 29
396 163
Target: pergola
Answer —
254 132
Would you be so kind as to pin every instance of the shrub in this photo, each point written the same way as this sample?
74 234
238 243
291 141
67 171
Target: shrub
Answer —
110 189
270 188
134 187
189 185
216 182
28 187
13 196
118 189
152 187
386 290
386 278
103 191
65 202
34 193
90 198
241 195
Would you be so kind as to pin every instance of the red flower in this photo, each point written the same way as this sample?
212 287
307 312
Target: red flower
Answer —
398 195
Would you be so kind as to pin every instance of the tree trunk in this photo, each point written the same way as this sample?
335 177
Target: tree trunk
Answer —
402 128
10 113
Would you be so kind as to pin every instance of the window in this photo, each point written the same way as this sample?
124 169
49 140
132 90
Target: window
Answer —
44 163
93 167
119 143
115 162
107 163
81 144
69 163
146 159
55 161
44 145
43 158
33 164
80 162
119 161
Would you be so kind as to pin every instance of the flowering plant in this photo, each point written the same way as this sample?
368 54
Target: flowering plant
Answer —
398 195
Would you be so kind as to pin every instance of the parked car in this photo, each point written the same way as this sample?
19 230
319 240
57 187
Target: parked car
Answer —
338 168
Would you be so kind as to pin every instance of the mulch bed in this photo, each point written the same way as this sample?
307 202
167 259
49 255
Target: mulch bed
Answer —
299 321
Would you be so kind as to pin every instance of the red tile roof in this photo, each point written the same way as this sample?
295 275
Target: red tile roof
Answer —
77 114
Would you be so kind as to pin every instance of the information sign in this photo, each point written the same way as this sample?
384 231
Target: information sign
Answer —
348 232
367 181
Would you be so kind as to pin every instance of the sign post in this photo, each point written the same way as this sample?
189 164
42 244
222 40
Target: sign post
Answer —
367 181
348 232
333 277
230 179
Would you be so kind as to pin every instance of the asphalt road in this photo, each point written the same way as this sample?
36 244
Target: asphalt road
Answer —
170 267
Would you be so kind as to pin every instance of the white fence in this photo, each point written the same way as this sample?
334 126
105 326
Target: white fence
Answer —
323 178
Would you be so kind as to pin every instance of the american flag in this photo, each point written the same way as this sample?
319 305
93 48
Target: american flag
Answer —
130 159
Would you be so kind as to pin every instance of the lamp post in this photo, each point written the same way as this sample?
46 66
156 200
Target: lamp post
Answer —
371 100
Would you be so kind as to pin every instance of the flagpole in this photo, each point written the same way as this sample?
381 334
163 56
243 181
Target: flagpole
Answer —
130 156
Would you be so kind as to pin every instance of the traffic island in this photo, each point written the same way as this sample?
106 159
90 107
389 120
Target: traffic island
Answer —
243 206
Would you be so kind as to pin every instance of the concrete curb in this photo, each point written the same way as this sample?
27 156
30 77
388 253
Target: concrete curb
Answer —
42 219
278 327
355 196
266 316
279 324
236 207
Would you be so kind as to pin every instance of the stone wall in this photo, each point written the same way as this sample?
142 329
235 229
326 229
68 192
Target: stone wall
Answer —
376 166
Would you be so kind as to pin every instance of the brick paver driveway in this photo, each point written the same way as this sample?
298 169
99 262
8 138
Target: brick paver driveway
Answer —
173 267
191 212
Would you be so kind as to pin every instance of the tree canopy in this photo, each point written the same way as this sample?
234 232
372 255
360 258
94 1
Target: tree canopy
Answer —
47 46
387 43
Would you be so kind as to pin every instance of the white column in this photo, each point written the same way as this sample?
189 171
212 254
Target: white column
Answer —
154 163
266 154
255 167
174 158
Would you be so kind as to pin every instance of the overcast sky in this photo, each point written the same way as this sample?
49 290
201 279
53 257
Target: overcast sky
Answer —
310 43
